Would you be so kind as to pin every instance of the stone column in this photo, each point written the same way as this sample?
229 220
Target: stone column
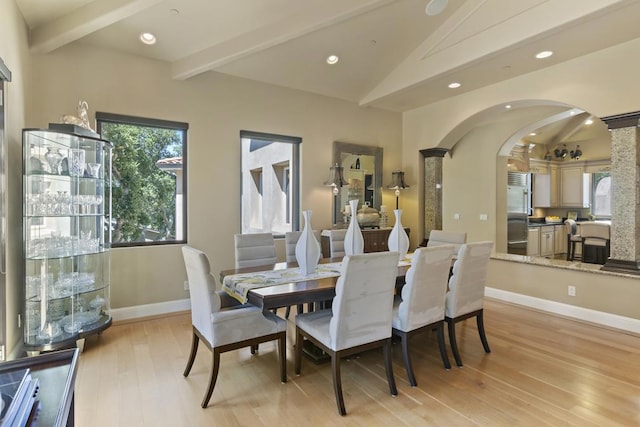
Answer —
625 203
432 189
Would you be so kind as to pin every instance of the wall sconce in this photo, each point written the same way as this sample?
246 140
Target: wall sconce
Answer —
397 183
575 154
336 180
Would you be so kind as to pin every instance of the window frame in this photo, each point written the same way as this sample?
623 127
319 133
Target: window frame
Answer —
594 185
294 174
102 117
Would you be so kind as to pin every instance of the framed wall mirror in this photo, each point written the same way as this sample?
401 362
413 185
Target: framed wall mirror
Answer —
362 171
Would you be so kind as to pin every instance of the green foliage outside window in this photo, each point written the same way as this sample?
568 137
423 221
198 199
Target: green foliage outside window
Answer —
143 195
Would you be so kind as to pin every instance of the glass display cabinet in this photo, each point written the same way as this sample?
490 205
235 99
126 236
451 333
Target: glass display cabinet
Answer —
67 236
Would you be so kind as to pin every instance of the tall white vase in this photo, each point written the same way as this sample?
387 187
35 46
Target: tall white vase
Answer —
398 239
307 248
353 240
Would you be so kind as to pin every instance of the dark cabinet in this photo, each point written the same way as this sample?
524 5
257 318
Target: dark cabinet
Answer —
375 240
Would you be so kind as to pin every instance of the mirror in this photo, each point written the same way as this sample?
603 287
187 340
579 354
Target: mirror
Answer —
362 170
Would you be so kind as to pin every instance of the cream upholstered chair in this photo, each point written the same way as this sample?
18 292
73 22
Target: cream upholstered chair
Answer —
465 297
290 240
222 323
420 307
455 238
595 238
336 243
359 318
573 238
254 249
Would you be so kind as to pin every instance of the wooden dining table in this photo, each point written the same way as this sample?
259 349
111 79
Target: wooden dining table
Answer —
293 293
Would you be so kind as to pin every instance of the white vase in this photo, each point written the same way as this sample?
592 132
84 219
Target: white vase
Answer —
353 240
398 239
307 248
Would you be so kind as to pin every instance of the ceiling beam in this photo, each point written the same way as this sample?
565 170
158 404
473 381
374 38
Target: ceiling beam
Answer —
573 125
83 21
316 15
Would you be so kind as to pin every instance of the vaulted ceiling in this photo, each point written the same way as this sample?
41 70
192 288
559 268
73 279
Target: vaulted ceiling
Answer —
392 54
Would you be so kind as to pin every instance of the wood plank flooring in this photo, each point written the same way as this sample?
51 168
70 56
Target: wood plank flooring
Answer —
543 370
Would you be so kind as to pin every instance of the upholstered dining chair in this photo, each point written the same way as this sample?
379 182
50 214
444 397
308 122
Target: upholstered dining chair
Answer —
595 238
420 307
254 249
455 238
573 238
336 243
290 240
222 323
359 318
465 297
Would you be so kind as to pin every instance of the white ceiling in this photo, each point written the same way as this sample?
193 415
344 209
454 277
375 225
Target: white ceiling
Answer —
392 55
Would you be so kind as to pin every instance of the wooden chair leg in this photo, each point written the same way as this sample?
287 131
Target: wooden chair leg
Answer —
194 349
214 377
282 352
452 341
386 349
298 352
337 383
443 350
404 338
483 337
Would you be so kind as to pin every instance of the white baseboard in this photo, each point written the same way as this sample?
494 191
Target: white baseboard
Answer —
586 314
147 310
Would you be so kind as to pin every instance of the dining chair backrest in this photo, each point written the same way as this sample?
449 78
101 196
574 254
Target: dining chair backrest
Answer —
291 239
466 285
591 232
336 243
440 237
254 249
570 227
363 305
423 295
202 285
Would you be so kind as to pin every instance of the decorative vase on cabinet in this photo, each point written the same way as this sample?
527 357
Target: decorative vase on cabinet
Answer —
353 239
66 225
398 239
307 248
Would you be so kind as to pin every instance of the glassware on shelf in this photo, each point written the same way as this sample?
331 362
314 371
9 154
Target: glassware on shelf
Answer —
93 169
76 162
54 158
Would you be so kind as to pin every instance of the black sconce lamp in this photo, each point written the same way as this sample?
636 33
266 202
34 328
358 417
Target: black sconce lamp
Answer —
397 183
336 181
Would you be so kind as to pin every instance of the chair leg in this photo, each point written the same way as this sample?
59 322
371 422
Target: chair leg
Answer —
192 357
483 337
300 308
282 352
214 377
388 365
452 341
443 350
298 352
337 384
404 338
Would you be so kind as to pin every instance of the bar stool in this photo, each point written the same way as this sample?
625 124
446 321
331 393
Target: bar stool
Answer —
595 242
572 238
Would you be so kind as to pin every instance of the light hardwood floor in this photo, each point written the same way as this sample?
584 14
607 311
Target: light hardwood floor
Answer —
543 371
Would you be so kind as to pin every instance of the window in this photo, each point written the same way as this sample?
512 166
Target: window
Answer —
149 188
270 182
602 195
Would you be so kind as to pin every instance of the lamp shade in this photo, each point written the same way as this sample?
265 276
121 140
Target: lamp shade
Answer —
335 177
397 181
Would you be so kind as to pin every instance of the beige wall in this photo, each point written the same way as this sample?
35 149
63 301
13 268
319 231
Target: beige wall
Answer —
216 107
603 83
13 50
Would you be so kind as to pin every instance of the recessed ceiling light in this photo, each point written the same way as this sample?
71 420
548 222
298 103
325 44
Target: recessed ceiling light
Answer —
435 7
454 85
332 59
588 122
544 54
507 106
532 134
147 38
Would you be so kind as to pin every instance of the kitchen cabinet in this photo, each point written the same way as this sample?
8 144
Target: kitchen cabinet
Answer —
574 187
533 241
560 239
546 240
66 225
545 188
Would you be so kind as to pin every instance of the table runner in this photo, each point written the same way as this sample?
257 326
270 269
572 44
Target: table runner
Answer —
239 285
